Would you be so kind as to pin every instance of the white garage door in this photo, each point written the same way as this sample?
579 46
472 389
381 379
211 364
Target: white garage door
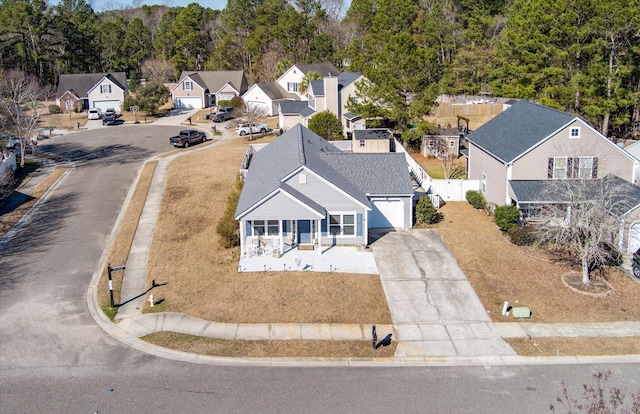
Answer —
104 105
634 237
188 103
386 213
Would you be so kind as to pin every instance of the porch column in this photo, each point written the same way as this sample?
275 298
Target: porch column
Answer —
281 236
242 236
319 230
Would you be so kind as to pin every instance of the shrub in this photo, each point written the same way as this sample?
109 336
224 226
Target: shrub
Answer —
128 103
236 102
522 235
227 228
426 212
223 103
506 217
476 199
54 109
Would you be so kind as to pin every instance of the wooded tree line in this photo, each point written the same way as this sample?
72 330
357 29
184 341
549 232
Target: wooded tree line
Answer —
575 55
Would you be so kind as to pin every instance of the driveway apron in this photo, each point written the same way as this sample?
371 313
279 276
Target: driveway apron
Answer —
434 309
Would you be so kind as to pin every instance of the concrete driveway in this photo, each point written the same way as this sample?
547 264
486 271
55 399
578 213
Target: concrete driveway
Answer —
433 307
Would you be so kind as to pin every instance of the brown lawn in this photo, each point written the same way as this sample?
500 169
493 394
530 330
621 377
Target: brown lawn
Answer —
433 166
201 277
500 271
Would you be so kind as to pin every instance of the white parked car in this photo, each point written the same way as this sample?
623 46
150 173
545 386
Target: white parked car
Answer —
246 129
94 113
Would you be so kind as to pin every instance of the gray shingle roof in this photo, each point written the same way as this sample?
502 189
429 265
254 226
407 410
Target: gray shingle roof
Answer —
371 134
274 91
324 68
518 129
81 83
214 80
296 108
347 78
355 174
626 195
317 87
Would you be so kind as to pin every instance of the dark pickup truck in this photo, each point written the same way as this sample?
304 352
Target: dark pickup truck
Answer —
223 114
187 137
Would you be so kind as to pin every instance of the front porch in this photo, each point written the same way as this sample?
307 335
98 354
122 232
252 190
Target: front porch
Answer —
343 259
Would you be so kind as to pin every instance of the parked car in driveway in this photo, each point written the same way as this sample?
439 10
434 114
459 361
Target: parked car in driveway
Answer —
246 129
94 113
186 137
223 114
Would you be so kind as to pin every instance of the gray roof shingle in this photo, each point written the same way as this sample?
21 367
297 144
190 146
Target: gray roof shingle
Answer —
518 129
274 91
371 134
324 68
213 80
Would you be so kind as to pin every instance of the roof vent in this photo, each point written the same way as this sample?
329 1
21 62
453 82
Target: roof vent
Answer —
330 74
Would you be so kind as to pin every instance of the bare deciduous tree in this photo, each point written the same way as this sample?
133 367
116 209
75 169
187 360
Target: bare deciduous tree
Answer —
583 216
158 70
23 100
440 147
251 114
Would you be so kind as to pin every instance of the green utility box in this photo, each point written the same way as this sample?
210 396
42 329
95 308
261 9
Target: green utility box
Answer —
521 312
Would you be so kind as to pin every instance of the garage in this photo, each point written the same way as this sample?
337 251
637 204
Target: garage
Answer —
188 103
386 213
263 106
104 105
634 237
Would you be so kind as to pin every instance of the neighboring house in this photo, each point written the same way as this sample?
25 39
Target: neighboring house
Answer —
302 191
92 90
532 142
329 94
449 137
291 79
268 96
531 194
634 150
202 89
291 113
372 140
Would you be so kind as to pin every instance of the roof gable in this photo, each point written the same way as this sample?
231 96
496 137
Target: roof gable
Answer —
274 91
296 108
518 129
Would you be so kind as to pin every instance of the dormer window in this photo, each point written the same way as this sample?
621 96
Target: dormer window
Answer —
574 132
188 86
105 88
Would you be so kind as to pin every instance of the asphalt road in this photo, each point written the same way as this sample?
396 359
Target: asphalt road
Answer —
54 358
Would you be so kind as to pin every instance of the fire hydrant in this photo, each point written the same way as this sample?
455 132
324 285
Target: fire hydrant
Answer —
151 300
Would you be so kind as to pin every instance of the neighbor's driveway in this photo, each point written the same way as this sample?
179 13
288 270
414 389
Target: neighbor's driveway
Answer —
433 307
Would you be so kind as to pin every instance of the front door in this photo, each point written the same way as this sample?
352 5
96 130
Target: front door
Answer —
304 231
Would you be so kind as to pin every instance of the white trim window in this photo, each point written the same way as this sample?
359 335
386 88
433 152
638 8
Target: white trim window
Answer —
292 87
483 183
265 228
342 224
106 88
574 132
362 143
432 143
188 85
585 167
312 102
560 168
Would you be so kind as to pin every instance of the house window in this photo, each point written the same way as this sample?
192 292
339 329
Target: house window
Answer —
483 183
342 224
265 228
362 142
188 85
432 143
105 88
302 178
559 168
312 102
585 167
452 144
574 132
292 87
